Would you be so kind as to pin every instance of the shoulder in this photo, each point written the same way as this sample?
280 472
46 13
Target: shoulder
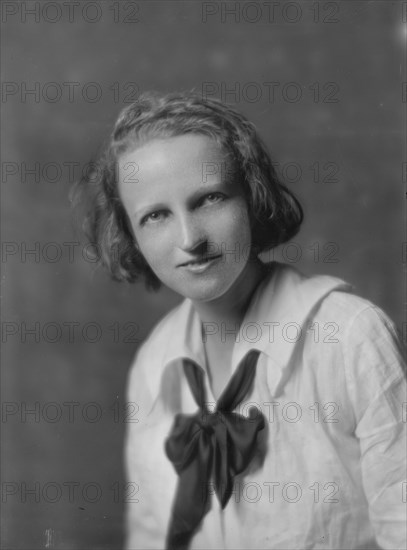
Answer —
350 338
294 296
332 300
349 307
357 318
358 330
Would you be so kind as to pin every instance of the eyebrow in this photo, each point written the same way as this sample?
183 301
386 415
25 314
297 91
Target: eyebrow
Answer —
196 195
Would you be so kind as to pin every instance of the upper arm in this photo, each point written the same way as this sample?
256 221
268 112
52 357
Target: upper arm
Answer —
375 374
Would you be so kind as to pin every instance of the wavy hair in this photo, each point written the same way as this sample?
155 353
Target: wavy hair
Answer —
274 212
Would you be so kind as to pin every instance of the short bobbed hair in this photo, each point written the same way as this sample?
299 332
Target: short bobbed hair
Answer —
274 212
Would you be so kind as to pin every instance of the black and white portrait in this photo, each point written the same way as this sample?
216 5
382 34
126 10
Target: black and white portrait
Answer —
203 271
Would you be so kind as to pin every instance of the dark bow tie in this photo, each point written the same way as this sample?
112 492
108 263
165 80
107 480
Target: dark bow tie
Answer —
210 445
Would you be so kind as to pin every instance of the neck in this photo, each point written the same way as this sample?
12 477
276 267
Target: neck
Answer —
231 307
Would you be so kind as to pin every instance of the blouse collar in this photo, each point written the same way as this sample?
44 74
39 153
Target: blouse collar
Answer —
275 321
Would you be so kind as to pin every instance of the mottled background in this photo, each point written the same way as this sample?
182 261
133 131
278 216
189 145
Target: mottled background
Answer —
335 123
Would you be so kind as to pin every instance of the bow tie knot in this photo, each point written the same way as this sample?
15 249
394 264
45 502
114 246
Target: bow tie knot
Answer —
209 421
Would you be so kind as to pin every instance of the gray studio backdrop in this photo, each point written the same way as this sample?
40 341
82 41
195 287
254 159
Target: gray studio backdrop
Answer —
323 82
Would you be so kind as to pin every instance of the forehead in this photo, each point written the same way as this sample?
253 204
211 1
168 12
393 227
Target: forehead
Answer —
188 154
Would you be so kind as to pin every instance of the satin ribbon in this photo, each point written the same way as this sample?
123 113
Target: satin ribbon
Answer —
210 446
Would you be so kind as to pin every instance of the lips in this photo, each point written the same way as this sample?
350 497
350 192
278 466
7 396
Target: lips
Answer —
199 261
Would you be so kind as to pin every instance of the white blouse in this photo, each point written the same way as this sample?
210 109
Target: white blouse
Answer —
331 386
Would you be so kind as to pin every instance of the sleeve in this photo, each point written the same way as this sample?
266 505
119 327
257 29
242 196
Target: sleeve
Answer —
375 372
137 529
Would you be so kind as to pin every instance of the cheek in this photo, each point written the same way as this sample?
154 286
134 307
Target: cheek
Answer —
149 248
154 247
236 227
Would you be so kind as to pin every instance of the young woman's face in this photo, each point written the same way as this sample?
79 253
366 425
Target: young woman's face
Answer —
184 208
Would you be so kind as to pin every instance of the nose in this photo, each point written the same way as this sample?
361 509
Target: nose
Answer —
192 234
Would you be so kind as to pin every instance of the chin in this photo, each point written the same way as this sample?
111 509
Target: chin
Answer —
204 290
202 296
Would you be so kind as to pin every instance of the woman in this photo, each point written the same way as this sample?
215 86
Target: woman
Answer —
269 404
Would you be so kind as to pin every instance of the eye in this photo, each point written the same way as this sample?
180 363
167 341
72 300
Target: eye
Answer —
214 197
153 217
